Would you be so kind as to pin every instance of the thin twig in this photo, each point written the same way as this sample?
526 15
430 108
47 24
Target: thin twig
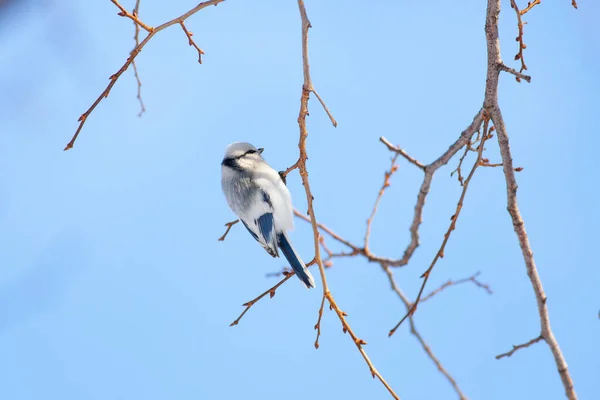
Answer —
133 17
228 225
519 346
519 38
459 167
386 183
270 292
516 73
402 152
454 218
530 5
134 53
450 282
191 41
136 37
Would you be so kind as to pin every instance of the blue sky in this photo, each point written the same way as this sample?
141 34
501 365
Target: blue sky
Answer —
113 284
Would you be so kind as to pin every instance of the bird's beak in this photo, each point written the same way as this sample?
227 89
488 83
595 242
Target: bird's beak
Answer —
260 150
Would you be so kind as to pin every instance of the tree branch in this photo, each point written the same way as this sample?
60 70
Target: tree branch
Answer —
450 282
415 333
134 53
519 346
492 106
307 88
454 218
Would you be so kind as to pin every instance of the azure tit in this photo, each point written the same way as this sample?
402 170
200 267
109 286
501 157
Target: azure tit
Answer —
257 194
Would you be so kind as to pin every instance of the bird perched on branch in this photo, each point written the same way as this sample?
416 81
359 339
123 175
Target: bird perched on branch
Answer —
257 194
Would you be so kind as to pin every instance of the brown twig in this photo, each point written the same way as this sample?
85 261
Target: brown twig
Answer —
228 225
492 106
519 38
530 5
136 37
191 41
133 17
519 346
386 183
516 73
415 333
454 218
270 292
402 152
113 78
450 282
459 167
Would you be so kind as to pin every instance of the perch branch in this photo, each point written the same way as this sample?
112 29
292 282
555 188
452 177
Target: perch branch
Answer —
228 225
307 88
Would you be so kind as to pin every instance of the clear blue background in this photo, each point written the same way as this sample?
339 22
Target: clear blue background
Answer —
113 284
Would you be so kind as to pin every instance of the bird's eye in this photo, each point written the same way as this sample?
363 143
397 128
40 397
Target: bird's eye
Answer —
251 152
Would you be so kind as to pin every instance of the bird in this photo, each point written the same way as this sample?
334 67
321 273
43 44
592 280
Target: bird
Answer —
258 195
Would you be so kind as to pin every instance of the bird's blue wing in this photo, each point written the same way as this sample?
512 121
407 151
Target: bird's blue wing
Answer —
266 227
250 230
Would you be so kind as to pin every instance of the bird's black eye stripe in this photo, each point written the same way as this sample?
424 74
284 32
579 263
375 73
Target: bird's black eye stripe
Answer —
246 153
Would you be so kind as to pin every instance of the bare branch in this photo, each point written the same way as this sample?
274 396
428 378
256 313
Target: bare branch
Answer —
415 333
430 170
403 153
270 292
454 218
228 225
133 17
307 88
450 282
493 108
191 41
519 346
515 73
386 183
113 78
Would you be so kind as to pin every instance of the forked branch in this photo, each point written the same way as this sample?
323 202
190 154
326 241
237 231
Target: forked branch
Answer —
134 53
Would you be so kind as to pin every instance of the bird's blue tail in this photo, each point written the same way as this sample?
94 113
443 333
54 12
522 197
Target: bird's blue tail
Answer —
295 261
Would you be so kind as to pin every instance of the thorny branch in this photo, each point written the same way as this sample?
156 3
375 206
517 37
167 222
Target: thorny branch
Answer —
134 53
